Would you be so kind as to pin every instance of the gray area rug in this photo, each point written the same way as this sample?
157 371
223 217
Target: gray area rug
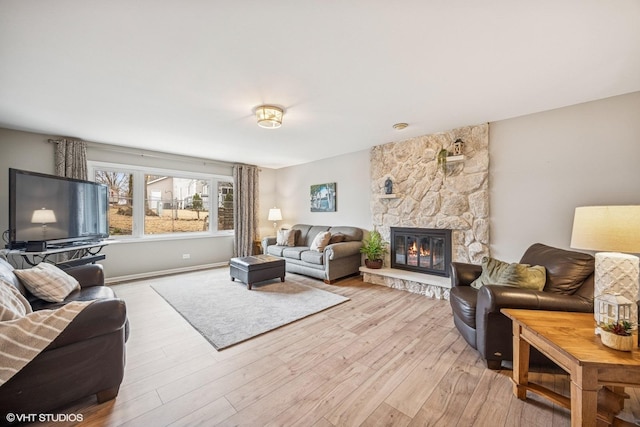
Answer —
227 313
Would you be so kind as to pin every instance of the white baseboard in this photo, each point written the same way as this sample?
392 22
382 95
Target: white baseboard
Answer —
130 277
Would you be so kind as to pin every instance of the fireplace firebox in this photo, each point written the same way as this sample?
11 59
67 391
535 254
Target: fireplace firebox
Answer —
425 250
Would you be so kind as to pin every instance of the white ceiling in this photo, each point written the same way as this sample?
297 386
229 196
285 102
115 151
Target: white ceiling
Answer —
183 76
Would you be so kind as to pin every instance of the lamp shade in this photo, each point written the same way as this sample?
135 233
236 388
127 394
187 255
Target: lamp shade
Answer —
275 214
43 216
269 116
607 228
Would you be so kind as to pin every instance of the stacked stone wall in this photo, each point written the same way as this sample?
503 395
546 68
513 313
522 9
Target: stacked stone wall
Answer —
427 198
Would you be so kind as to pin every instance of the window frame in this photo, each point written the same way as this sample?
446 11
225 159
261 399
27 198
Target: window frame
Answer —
138 217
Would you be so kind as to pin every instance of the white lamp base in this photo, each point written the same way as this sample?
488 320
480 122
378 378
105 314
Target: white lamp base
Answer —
616 272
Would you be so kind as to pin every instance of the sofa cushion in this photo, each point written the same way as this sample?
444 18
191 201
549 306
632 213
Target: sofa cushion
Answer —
301 236
275 250
48 282
12 304
294 252
566 270
492 270
312 257
320 241
7 274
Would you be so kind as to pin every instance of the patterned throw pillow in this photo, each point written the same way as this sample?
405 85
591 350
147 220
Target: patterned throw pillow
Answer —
286 238
48 282
320 241
12 304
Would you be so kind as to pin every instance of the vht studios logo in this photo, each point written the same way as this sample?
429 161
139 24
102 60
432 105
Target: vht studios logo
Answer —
51 418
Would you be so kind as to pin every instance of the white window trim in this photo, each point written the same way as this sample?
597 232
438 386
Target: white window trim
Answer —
138 199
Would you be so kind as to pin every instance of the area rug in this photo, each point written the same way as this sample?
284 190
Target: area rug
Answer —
226 312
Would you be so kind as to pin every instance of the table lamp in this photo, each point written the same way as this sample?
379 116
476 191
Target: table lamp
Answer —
43 216
275 215
614 229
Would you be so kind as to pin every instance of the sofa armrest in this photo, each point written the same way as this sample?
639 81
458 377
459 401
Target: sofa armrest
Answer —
267 241
463 274
492 298
87 275
101 317
342 249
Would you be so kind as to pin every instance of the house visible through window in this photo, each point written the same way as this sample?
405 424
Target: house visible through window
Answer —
145 202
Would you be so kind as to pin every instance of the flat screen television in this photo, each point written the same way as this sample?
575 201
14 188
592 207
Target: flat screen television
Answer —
54 209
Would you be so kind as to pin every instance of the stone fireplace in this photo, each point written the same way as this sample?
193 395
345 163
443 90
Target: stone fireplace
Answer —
425 196
425 250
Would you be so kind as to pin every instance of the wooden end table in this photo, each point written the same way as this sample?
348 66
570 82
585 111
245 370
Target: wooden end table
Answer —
569 340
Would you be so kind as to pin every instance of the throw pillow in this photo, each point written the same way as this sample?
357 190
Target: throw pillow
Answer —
48 282
12 304
337 238
286 238
320 241
524 276
491 271
496 272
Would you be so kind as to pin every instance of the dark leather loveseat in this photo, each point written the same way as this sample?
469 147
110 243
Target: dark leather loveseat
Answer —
87 358
476 312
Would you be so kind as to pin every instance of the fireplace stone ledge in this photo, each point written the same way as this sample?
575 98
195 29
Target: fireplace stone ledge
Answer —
418 283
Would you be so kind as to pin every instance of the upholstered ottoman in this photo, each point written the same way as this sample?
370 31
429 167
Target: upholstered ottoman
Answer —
256 268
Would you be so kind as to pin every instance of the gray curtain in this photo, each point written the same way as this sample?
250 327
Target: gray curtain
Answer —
70 158
245 209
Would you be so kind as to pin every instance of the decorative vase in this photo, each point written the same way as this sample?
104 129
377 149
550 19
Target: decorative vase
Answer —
373 263
617 342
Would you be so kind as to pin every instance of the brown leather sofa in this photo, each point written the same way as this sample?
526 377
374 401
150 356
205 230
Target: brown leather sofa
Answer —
476 312
87 358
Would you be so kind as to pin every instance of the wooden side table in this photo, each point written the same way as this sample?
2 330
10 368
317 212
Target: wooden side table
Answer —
569 340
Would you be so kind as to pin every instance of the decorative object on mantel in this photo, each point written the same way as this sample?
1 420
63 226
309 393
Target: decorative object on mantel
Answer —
388 186
269 116
374 248
275 214
611 228
458 147
323 197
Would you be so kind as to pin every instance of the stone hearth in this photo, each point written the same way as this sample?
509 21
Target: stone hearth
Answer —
423 197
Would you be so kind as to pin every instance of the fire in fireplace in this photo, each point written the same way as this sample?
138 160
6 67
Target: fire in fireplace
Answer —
426 250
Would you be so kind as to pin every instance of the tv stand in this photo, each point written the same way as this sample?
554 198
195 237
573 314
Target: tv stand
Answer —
78 253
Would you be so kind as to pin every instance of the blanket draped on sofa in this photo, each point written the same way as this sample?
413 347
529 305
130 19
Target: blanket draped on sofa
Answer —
21 340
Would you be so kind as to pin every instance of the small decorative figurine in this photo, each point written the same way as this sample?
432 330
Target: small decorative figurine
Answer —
388 186
457 147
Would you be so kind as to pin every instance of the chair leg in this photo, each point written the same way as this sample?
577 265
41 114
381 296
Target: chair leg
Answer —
494 365
108 394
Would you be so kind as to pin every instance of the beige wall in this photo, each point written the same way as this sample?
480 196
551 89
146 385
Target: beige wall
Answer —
350 172
544 165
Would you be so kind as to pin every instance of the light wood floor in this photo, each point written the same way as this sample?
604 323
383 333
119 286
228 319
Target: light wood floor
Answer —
384 358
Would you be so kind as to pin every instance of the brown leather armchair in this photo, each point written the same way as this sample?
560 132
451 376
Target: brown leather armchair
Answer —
476 312
87 358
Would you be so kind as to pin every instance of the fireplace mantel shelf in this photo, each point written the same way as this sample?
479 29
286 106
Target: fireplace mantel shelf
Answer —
389 196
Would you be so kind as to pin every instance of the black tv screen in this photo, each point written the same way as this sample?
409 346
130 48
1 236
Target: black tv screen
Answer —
55 209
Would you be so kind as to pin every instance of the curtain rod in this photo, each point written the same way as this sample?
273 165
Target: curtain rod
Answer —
145 153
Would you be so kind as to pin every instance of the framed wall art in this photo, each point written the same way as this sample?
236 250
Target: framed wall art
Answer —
323 197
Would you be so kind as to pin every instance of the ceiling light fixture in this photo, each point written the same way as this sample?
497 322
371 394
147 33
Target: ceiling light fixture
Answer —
400 126
269 116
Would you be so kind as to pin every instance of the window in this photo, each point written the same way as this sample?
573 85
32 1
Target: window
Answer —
145 202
